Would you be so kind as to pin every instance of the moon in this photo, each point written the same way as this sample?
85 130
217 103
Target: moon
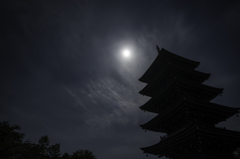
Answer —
126 53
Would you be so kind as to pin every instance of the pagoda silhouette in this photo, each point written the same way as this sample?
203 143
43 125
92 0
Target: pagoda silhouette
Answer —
184 111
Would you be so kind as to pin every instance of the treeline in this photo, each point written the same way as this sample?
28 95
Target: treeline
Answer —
12 146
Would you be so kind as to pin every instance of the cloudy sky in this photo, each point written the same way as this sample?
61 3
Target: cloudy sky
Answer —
63 73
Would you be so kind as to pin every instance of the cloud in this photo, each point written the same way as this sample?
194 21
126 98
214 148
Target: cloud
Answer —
108 102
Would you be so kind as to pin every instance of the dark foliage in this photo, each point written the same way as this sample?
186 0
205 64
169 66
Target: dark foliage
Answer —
12 146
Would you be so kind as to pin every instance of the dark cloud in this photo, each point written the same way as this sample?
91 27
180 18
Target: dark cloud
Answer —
62 73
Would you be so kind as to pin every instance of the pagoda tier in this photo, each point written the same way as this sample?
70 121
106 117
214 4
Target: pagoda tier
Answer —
195 140
167 58
160 102
166 71
170 92
188 109
196 89
163 100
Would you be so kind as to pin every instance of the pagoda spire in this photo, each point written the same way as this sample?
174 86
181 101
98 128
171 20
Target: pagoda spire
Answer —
185 111
158 48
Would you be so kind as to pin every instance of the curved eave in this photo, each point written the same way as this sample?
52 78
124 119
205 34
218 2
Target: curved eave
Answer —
153 66
148 110
220 133
191 75
211 107
171 55
155 100
166 79
200 89
163 97
173 139
188 74
169 112
220 113
172 59
161 77
189 134
147 90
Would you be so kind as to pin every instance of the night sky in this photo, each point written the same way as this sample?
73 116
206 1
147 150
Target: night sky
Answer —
63 73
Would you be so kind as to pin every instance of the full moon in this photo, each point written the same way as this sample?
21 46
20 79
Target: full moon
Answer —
126 53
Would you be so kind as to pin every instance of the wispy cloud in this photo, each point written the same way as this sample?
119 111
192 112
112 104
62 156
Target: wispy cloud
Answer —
109 102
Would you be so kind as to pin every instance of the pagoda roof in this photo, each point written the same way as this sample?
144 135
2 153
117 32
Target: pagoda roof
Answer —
184 110
169 116
177 72
181 136
197 89
161 101
165 57
195 136
187 109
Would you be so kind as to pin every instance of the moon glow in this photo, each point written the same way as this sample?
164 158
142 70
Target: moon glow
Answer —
126 53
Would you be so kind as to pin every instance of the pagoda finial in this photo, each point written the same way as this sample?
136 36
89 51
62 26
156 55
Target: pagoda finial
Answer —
158 49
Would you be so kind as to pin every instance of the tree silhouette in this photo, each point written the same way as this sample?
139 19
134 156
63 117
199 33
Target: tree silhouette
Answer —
65 156
44 143
12 146
83 154
10 140
54 151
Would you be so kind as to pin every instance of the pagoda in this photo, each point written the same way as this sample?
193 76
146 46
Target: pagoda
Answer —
184 111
